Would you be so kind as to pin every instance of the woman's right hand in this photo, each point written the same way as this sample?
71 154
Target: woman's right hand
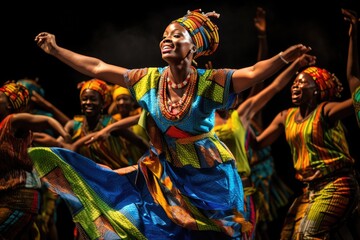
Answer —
46 42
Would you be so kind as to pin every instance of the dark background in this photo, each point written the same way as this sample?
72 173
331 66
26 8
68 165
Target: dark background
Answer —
129 36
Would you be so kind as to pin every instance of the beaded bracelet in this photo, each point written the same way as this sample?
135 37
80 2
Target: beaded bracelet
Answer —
282 58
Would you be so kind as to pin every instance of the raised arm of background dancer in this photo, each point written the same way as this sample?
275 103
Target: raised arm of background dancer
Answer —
254 104
353 67
246 77
260 25
45 104
90 66
32 122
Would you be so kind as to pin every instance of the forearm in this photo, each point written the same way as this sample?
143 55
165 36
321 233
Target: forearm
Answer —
262 70
122 124
84 64
56 126
352 69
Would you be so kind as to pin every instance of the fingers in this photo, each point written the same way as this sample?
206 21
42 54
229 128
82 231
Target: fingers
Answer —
41 36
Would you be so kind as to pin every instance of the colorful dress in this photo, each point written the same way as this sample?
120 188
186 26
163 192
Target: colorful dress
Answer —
320 153
233 134
19 183
134 150
187 184
112 152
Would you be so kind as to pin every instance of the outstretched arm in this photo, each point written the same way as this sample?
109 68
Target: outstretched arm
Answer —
90 66
271 133
352 69
115 128
254 104
37 123
246 77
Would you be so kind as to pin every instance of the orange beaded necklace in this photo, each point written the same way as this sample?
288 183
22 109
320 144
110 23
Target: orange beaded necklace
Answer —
176 110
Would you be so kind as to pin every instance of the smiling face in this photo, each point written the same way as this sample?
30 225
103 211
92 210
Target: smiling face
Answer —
176 44
91 103
303 89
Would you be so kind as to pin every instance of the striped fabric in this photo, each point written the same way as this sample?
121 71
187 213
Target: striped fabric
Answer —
356 102
321 159
319 147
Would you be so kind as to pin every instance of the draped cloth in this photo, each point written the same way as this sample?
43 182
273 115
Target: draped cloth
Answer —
109 205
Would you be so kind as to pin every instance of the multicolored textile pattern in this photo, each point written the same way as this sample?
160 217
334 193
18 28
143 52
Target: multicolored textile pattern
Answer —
19 184
186 146
356 102
326 149
97 85
134 152
107 205
17 223
328 84
111 152
17 94
272 192
320 210
203 32
232 133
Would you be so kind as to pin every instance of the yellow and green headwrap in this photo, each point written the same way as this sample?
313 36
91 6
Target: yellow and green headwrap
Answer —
328 84
17 94
97 85
118 90
203 32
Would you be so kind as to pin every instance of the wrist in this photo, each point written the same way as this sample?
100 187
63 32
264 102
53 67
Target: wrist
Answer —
260 36
282 58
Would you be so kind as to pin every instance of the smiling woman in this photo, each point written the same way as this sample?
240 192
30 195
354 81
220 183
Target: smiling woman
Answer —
188 178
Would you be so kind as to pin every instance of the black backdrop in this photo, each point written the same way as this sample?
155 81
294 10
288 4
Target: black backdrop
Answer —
129 36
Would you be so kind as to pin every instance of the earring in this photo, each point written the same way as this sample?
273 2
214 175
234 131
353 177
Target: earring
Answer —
315 92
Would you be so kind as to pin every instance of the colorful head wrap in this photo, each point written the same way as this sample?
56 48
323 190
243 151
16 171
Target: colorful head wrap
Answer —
203 32
17 94
327 83
32 85
97 85
119 90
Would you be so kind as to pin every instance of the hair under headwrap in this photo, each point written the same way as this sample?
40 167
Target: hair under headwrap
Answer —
119 90
328 84
32 85
17 94
203 32
97 85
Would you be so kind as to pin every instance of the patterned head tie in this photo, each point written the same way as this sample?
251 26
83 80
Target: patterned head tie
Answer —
99 86
327 83
203 32
17 94
32 85
118 90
